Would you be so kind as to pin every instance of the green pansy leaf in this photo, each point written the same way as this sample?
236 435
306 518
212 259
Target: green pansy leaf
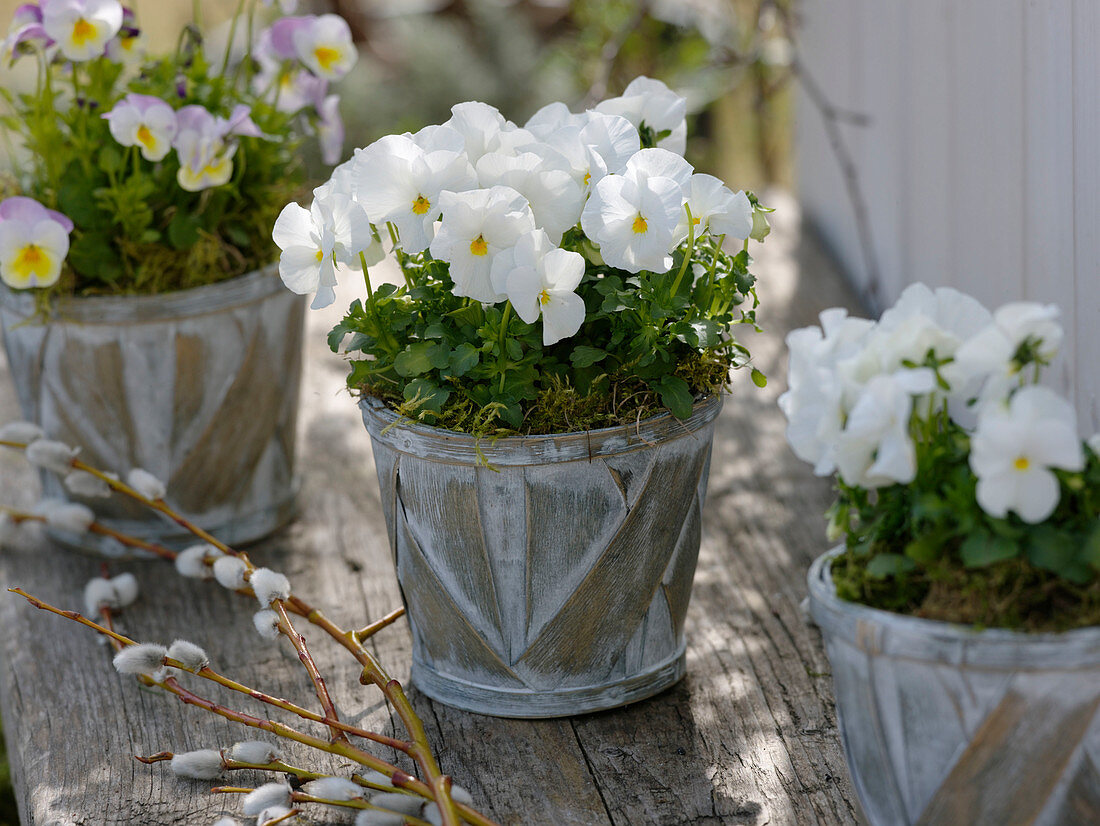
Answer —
415 359
430 395
583 356
676 396
887 565
982 549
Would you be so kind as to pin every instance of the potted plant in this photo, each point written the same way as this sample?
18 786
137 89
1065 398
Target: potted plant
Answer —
960 614
140 311
541 390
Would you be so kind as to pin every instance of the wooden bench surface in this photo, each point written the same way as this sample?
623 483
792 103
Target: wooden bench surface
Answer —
749 737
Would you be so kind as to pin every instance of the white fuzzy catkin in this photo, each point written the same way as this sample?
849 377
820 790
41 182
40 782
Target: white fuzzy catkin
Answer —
144 658
146 484
373 817
190 656
191 562
164 672
69 516
433 815
271 814
266 796
269 585
405 804
126 588
333 788
254 751
376 779
267 624
460 795
83 483
22 432
229 572
51 455
99 593
204 764
226 821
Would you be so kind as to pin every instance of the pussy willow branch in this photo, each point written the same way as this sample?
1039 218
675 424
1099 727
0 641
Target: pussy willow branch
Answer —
373 672
280 766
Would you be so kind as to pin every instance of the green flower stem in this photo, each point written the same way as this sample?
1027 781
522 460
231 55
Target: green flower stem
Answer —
392 346
687 255
232 36
504 319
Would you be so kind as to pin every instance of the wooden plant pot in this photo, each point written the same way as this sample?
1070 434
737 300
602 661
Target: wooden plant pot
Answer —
198 387
945 725
550 575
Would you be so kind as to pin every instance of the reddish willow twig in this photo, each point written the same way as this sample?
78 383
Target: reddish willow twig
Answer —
437 784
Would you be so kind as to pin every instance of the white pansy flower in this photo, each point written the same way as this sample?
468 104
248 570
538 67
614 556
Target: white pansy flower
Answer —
634 221
397 181
477 226
651 104
81 28
875 449
352 232
814 403
718 210
480 126
143 121
555 198
550 118
1014 448
325 47
33 243
985 364
654 163
307 241
540 279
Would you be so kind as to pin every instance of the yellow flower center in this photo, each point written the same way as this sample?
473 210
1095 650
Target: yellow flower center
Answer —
587 178
320 256
696 221
1021 463
479 247
326 56
640 224
544 297
421 205
146 137
83 31
32 260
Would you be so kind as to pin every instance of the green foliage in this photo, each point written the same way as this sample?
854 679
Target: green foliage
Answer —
649 342
929 549
136 230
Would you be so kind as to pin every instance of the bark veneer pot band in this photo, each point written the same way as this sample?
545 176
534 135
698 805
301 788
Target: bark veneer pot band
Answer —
198 387
944 725
544 576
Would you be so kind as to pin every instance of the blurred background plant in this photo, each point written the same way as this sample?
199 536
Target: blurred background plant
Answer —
732 59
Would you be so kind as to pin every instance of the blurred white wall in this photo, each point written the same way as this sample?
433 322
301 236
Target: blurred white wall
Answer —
980 159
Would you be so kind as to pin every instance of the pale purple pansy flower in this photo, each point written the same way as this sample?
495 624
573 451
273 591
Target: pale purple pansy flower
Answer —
203 146
325 46
128 46
330 129
33 243
81 28
26 25
143 121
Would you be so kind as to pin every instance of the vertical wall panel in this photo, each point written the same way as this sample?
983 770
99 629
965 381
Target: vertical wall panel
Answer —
1086 203
885 141
987 162
928 187
1048 265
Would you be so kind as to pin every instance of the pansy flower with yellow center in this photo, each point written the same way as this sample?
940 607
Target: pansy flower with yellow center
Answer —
1016 446
716 210
479 225
204 147
33 243
398 181
81 28
143 121
540 279
324 46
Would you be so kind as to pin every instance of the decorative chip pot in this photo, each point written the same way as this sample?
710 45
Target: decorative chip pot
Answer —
946 725
198 387
545 576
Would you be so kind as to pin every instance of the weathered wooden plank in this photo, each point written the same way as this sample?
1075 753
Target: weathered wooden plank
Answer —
750 737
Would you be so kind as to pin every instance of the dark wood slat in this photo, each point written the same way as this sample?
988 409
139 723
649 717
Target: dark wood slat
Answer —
749 737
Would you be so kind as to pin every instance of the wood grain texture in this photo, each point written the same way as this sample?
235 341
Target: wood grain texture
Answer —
749 737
